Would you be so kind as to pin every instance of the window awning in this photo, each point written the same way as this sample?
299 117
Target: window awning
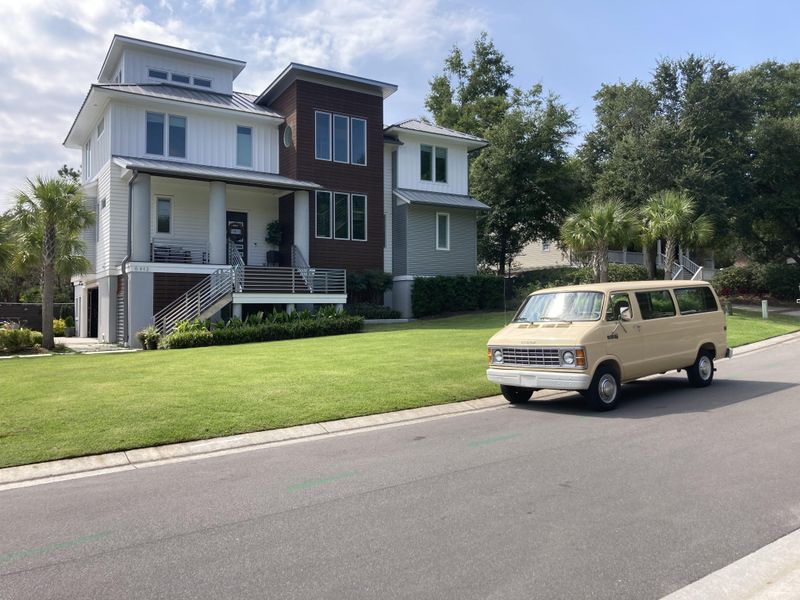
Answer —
439 199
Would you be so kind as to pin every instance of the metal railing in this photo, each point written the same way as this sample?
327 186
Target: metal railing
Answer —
168 250
684 268
237 262
197 300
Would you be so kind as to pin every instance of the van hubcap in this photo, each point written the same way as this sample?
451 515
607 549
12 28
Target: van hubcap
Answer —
607 387
704 367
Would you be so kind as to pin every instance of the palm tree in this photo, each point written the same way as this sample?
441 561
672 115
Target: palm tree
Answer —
48 218
6 245
597 226
671 216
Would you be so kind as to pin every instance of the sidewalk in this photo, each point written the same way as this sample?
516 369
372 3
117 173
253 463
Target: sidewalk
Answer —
84 345
777 310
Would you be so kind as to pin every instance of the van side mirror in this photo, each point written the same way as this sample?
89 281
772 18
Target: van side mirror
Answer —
625 313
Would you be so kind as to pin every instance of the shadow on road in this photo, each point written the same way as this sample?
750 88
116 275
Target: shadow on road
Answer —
663 396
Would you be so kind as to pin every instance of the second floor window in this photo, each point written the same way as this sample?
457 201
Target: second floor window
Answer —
358 143
165 132
244 146
433 163
340 138
341 216
442 231
163 215
322 146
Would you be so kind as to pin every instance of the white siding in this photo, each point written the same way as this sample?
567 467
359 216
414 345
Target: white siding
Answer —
101 150
210 136
88 235
136 63
408 165
102 260
534 256
387 207
117 209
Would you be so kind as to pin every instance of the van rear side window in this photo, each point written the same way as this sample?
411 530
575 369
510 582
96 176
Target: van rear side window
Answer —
655 305
695 300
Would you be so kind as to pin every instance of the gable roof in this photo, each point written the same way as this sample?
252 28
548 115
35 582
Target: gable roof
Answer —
419 126
438 199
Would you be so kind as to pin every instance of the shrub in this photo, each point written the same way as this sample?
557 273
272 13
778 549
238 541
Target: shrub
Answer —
368 286
442 294
149 337
58 327
69 321
618 272
19 340
782 280
749 279
372 311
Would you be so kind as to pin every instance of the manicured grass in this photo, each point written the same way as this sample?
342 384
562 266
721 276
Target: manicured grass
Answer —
66 406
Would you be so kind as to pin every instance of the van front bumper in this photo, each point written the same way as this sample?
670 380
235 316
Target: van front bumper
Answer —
541 380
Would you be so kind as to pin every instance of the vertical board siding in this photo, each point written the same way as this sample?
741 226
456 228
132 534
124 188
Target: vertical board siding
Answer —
137 62
105 219
400 238
117 211
101 149
387 208
425 259
408 165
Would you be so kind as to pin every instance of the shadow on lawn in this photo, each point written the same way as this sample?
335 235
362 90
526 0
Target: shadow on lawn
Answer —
663 396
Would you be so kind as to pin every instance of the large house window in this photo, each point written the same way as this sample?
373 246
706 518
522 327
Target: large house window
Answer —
177 77
201 82
244 146
163 215
358 141
432 163
358 217
341 218
323 213
101 127
442 231
341 141
322 124
157 74
87 163
175 136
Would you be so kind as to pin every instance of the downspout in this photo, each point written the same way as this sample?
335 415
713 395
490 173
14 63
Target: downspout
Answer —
127 258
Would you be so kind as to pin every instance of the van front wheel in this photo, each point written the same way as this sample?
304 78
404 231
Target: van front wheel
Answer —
516 395
701 373
603 392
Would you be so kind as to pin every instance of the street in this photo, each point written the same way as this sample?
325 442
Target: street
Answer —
547 500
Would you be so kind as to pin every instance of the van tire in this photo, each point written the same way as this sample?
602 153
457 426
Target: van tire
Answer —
604 391
516 395
701 373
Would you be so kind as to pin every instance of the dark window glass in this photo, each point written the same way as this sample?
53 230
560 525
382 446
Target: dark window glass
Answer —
164 215
340 138
180 78
358 141
442 231
441 165
341 218
426 163
199 81
244 146
324 214
359 216
323 136
695 300
177 136
156 74
155 133
655 305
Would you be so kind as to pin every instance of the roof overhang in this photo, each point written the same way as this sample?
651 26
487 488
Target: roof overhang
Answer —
296 71
470 145
181 170
121 42
440 199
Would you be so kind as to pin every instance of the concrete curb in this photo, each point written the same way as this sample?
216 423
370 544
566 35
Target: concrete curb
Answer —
70 468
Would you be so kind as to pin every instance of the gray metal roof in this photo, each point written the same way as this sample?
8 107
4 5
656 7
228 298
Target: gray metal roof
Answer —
439 199
423 127
388 139
238 101
173 168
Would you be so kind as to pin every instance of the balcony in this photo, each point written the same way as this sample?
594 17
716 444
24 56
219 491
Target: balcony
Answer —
185 252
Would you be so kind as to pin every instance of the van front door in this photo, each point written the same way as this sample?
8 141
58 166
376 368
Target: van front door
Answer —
624 337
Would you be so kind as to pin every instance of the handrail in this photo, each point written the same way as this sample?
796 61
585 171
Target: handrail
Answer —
698 274
301 265
171 250
197 299
237 262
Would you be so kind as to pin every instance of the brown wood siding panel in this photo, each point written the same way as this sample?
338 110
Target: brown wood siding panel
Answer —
286 105
169 286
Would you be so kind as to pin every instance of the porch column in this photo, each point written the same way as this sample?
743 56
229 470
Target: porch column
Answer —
217 205
301 222
140 218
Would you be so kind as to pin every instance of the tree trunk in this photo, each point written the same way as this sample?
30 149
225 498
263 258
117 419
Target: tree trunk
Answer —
669 258
48 286
649 251
602 266
502 261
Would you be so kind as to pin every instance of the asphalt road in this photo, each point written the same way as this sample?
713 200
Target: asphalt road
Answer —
545 501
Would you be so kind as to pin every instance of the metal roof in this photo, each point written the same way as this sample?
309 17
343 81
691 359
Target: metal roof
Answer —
173 168
295 71
388 139
238 101
423 127
439 199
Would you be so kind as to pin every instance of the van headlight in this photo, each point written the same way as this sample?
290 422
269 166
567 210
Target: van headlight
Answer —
497 356
568 357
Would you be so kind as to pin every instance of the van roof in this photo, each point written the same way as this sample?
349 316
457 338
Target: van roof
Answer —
621 286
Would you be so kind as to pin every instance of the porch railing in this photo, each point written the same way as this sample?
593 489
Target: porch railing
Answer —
168 250
199 299
237 262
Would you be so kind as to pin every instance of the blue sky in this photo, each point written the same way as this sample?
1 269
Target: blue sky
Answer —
51 50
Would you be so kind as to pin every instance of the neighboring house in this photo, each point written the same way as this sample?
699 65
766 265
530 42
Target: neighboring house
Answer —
185 174
541 254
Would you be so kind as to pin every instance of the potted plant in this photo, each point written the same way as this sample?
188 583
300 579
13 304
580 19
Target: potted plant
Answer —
149 337
69 326
274 234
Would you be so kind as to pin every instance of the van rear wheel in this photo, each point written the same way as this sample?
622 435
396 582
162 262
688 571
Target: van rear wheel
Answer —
603 393
516 395
701 373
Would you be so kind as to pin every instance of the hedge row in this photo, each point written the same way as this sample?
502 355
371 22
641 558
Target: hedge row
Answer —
372 311
19 340
443 294
778 280
266 332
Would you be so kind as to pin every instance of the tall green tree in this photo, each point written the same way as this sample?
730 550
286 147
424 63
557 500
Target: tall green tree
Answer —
672 216
6 244
48 219
597 226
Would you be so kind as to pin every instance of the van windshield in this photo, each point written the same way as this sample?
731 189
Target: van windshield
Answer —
561 306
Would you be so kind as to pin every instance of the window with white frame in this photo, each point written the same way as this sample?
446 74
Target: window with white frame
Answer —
101 127
341 216
178 78
358 141
201 82
157 74
87 160
322 136
442 231
244 146
163 214
545 246
340 138
432 163
168 132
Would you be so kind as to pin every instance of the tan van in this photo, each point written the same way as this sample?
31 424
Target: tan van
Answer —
592 338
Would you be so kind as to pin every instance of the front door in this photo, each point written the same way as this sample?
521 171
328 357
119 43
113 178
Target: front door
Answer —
93 311
237 232
624 338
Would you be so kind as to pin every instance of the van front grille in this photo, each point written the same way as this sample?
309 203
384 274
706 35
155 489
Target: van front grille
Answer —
531 357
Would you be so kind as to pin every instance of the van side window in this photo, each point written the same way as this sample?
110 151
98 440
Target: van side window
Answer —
655 305
695 300
616 303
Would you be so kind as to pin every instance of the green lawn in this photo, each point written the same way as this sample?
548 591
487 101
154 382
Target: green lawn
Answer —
746 326
75 405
